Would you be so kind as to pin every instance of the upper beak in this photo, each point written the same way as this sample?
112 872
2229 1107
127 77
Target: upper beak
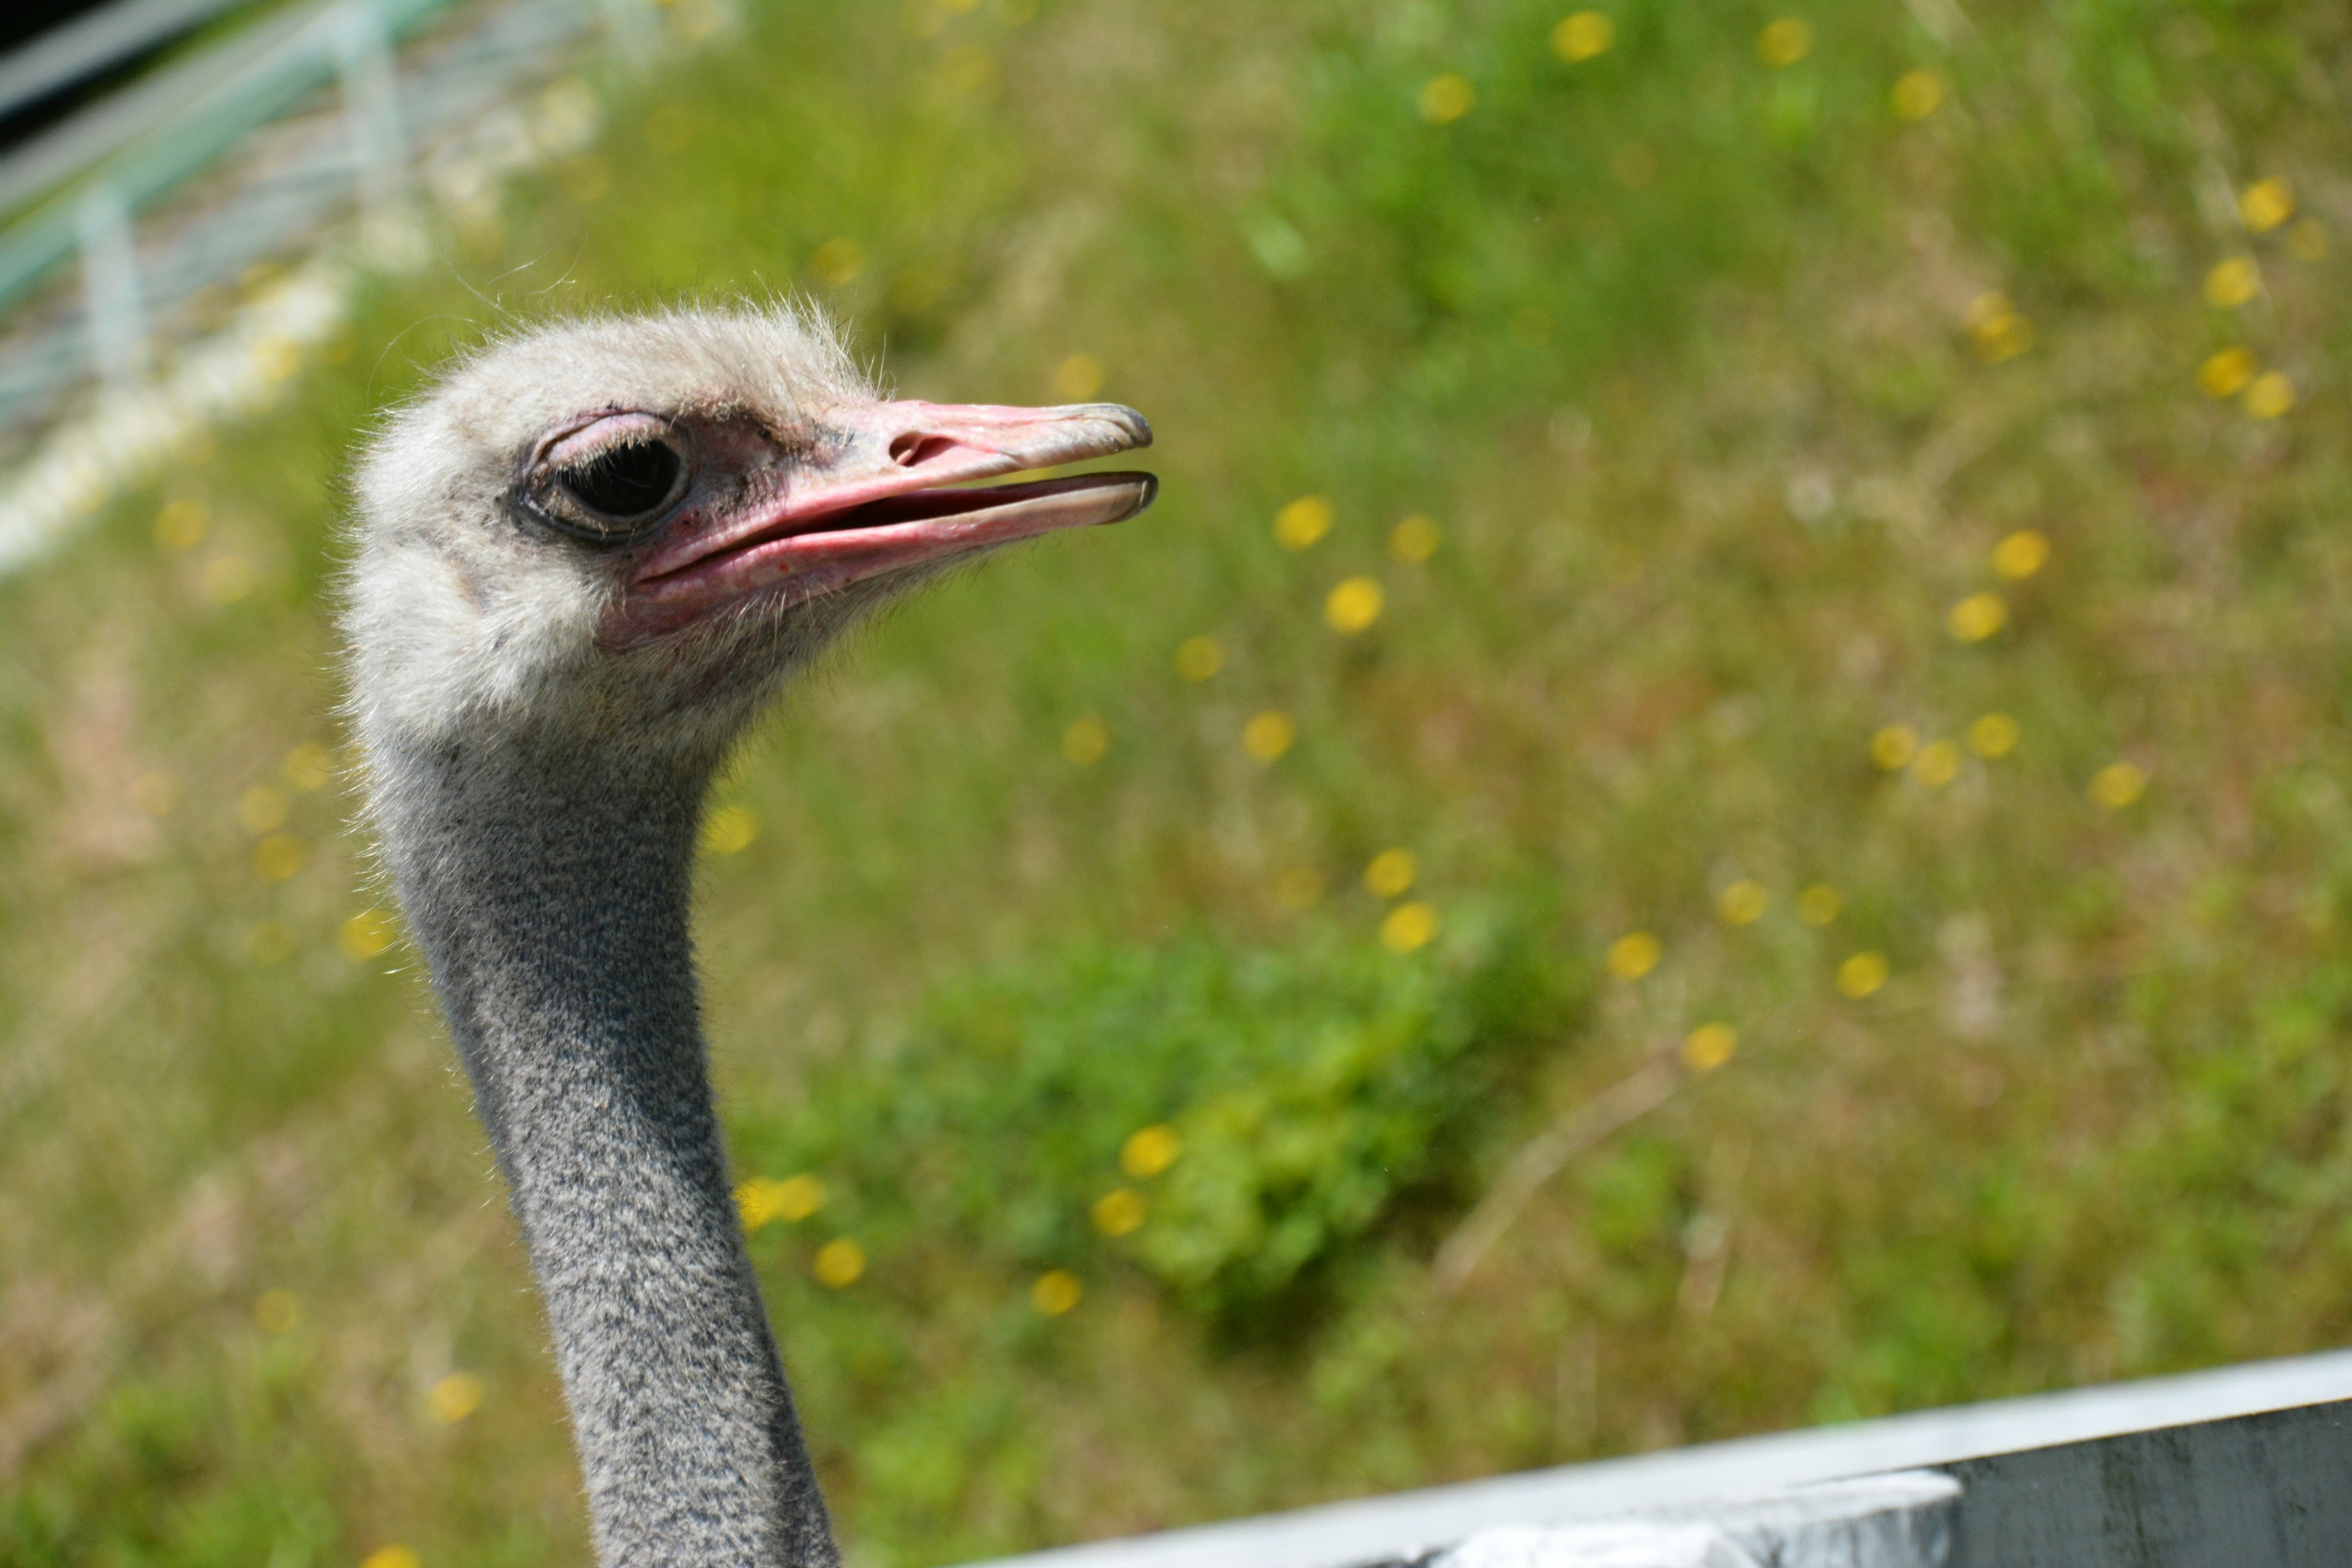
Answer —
883 502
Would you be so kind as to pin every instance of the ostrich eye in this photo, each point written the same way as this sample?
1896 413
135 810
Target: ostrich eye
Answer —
625 484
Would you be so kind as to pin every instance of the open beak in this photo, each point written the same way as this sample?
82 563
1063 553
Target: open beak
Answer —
897 492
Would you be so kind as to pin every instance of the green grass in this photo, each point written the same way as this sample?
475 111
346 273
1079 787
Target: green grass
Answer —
1676 348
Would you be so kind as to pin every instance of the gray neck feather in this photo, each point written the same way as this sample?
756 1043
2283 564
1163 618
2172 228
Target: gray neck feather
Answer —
551 886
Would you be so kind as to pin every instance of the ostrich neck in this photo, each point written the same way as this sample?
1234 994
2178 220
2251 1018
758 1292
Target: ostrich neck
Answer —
552 899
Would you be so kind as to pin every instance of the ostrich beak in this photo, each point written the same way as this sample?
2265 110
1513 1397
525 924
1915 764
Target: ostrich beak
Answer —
892 488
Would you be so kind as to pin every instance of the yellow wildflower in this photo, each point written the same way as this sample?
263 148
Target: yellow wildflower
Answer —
2266 204
1918 94
1149 1151
1993 735
1391 873
454 1398
1447 98
1414 540
1120 1211
730 830
1819 904
364 935
1409 928
391 1557
839 1262
280 857
309 766
1055 1293
1784 43
1997 330
2226 373
2117 785
1085 740
1894 747
1709 1045
2021 555
2232 282
1742 903
1197 658
1581 35
262 809
1978 616
1302 522
2270 395
1269 734
1938 764
1863 974
1635 955
1353 605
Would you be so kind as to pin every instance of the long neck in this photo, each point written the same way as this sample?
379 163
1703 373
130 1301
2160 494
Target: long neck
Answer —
552 900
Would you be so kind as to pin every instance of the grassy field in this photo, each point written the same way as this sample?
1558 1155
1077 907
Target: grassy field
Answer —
1821 535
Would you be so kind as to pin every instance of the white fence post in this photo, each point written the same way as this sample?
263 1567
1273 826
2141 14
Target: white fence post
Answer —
110 279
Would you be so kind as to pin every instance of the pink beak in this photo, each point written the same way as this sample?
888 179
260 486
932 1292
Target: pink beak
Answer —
884 501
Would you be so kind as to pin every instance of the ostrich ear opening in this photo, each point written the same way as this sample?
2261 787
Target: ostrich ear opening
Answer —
896 489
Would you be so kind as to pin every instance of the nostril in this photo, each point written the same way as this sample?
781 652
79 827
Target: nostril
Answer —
912 448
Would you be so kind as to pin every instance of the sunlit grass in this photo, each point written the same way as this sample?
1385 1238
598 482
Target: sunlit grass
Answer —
1821 544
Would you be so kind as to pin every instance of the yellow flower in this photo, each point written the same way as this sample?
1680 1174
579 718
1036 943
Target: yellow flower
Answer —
1819 904
276 1312
280 857
1784 43
1938 764
1635 955
1055 1293
454 1398
1977 617
730 830
1894 747
1269 734
1085 740
1993 735
1447 98
1197 658
2233 282
1742 903
1120 1211
1863 974
1078 378
1414 540
1353 605
309 766
2270 395
2226 373
2021 555
1709 1045
183 524
1149 1151
2266 204
1299 887
1918 94
1997 330
364 935
1391 873
1302 522
391 1557
262 809
839 1262
1581 35
796 1198
2117 785
838 261
1408 928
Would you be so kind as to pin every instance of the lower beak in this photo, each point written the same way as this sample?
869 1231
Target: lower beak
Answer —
898 493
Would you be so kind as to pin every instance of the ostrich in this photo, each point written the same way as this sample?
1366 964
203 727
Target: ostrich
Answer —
583 564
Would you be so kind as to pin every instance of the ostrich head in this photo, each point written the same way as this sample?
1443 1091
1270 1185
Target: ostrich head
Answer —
626 532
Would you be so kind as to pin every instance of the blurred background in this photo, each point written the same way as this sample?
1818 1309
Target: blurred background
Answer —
1717 797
